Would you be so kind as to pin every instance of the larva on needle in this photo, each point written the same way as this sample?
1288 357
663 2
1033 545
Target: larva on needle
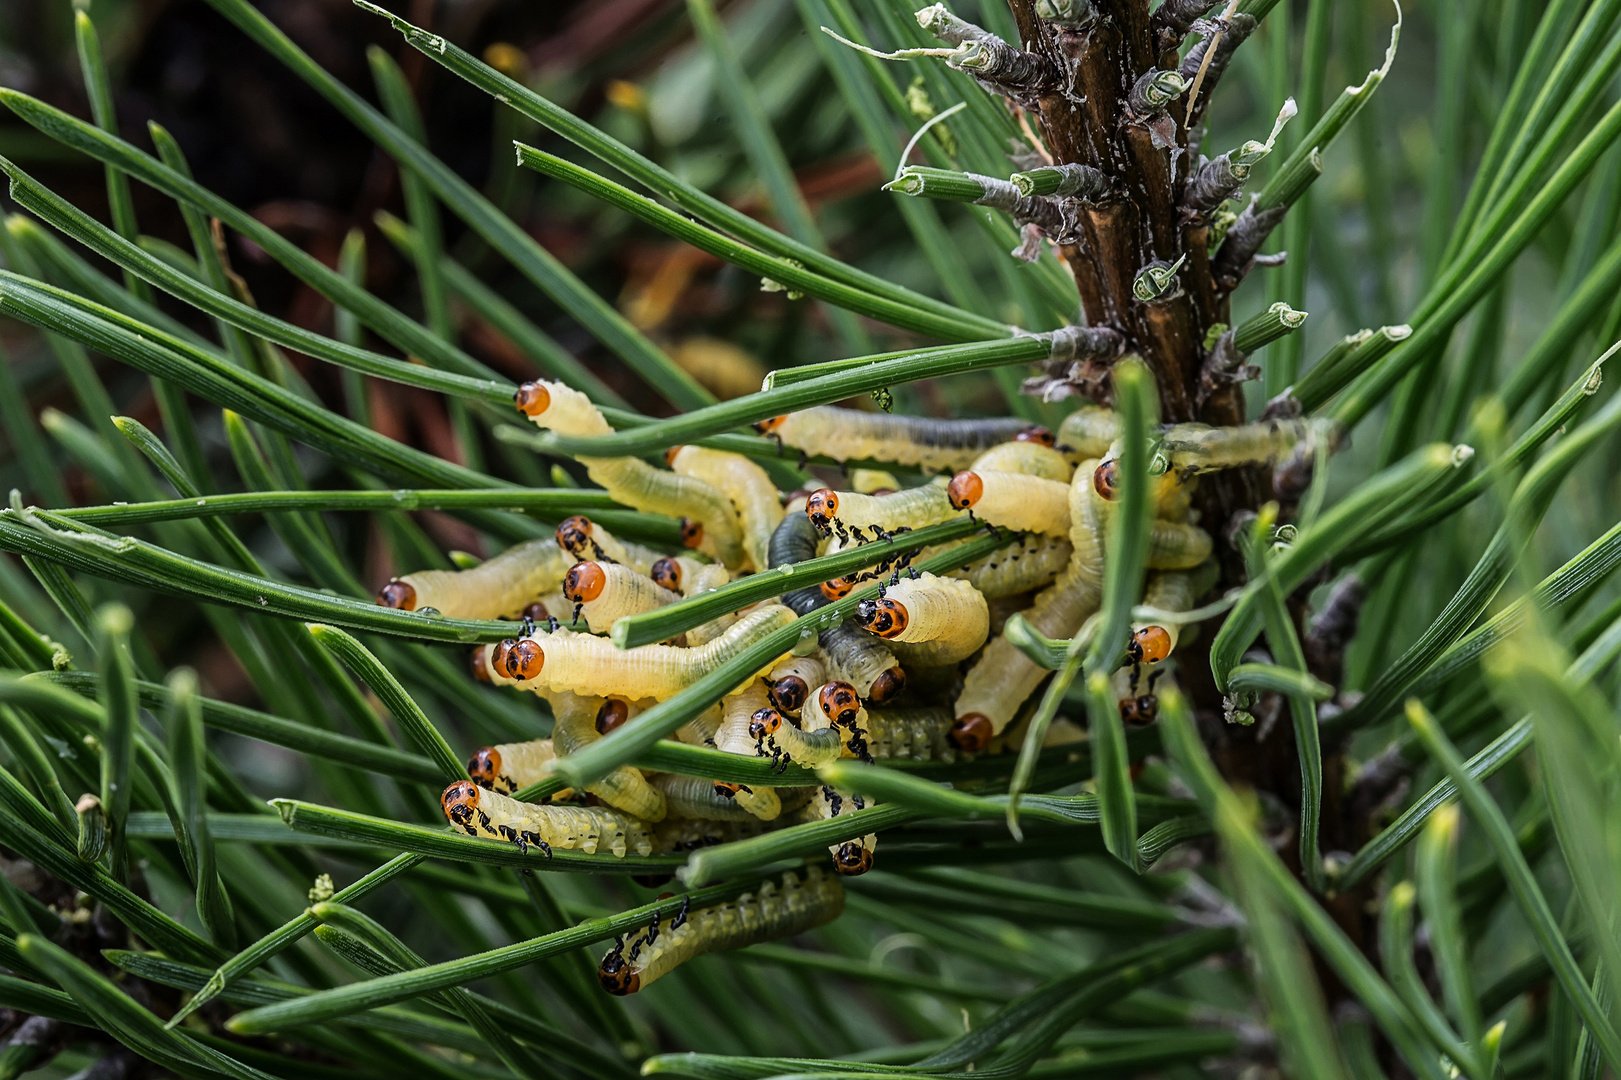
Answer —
1026 456
1088 432
1196 448
497 587
1013 501
576 720
478 812
753 495
604 593
939 620
850 857
926 443
848 511
584 539
509 766
689 577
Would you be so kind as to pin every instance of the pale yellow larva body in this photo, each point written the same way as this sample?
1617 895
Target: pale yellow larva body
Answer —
625 788
1172 545
600 544
1029 458
733 736
583 663
498 587
909 508
1196 448
520 764
639 485
945 619
701 729
850 654
1023 503
853 856
908 734
751 491
1175 590
761 802
813 744
873 481
1089 431
572 828
700 577
625 592
1033 561
926 444
696 797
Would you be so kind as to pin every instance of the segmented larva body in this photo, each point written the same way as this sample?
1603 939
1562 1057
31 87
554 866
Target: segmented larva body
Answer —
909 734
1196 448
507 767
1172 545
799 904
497 587
912 508
690 834
873 481
762 802
1089 431
584 828
584 664
1169 590
701 729
733 736
790 684
690 577
927 444
811 743
751 491
1031 562
603 593
696 797
1028 457
633 481
847 652
584 539
941 620
1013 501
850 857
1172 491
625 788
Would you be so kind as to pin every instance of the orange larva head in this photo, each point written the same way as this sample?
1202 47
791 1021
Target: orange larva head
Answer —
766 427
584 582
1139 711
613 713
667 573
838 588
692 533
617 977
971 733
498 655
670 455
764 723
887 685
1150 645
726 790
398 594
853 859
839 702
525 659
533 398
484 766
574 534
479 664
965 489
460 800
536 612
885 617
1106 480
822 507
788 693
1037 434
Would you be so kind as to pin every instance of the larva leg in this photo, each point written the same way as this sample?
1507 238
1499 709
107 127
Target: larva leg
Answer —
777 738
874 517
751 491
510 766
850 857
942 620
497 587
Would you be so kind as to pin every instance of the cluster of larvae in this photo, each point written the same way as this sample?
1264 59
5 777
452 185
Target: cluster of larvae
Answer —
921 672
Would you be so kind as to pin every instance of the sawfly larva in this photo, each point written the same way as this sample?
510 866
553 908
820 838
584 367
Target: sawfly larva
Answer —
696 797
850 857
909 734
585 664
778 738
763 802
478 812
847 652
1012 501
789 684
1170 492
509 766
800 904
584 539
850 512
1031 562
1089 431
753 495
497 587
604 593
733 736
690 834
1197 448
1152 642
925 443
624 788
633 481
941 620
689 577
1028 457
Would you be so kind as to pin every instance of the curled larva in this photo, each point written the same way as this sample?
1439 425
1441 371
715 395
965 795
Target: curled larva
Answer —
789 684
587 828
737 711
605 592
633 481
799 904
689 577
1089 431
696 797
751 491
941 620
850 857
761 802
852 512
583 539
1196 448
582 663
777 737
846 651
499 586
909 734
1013 501
1028 457
624 788
1171 490
928 444
1152 641
506 767
1031 562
